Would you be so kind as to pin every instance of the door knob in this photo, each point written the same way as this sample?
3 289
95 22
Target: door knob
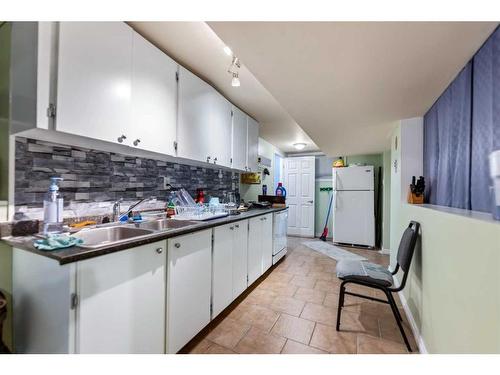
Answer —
310 201
159 250
177 245
121 138
137 141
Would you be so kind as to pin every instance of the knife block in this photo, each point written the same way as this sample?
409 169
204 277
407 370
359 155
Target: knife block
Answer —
414 198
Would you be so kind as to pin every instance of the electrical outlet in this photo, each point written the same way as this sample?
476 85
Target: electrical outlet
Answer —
166 182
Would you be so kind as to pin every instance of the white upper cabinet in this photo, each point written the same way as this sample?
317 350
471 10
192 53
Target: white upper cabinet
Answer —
252 144
195 99
114 85
154 98
220 130
94 79
239 139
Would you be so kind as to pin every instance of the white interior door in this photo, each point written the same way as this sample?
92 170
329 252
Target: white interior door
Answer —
299 182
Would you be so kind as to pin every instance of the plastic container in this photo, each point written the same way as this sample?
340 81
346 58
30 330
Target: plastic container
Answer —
53 205
280 190
495 178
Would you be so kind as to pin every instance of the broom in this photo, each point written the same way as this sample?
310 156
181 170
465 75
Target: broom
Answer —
325 230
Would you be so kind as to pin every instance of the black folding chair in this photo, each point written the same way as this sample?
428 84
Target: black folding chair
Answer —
375 276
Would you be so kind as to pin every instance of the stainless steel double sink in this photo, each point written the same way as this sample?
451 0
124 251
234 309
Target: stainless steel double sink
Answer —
114 234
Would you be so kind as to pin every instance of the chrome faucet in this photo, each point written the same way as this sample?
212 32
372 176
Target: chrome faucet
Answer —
116 208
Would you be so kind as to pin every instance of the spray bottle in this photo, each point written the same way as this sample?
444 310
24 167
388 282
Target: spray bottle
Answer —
53 208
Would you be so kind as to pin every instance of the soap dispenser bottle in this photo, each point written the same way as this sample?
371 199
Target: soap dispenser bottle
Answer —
53 208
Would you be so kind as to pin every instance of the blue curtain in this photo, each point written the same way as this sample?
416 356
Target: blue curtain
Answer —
485 119
447 144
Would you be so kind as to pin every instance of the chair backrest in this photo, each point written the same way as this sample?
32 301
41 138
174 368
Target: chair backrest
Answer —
407 245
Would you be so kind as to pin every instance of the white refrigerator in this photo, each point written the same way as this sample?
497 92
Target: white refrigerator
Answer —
353 206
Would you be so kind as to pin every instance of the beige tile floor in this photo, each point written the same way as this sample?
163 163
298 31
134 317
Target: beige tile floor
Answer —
292 310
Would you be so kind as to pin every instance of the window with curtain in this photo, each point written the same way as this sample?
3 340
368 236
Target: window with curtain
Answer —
460 131
485 119
447 141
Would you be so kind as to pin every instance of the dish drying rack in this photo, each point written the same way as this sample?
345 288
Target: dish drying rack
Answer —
200 212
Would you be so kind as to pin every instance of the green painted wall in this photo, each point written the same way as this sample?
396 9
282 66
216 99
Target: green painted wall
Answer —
249 192
453 288
5 251
322 199
395 193
386 200
4 108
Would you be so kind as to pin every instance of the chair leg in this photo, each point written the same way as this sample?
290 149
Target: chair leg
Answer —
341 304
393 301
397 316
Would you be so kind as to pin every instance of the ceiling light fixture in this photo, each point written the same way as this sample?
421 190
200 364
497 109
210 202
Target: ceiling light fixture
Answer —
299 146
228 51
233 70
235 82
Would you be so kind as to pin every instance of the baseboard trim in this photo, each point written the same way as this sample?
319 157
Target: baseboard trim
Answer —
414 328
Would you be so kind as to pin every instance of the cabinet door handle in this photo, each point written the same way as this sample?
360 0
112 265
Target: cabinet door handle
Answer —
208 159
237 225
310 201
137 141
232 228
159 250
177 245
215 160
121 138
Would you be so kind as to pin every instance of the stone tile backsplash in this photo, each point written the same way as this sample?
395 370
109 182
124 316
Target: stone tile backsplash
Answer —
97 176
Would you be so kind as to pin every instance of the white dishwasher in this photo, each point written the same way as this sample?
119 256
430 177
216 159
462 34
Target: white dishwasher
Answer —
280 225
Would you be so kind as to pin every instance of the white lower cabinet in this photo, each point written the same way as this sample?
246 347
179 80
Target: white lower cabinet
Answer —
240 258
122 301
112 303
260 246
189 274
148 299
229 267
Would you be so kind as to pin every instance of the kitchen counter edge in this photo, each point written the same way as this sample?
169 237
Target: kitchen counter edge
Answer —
76 253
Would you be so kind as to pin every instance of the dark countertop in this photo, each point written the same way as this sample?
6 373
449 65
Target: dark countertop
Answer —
76 253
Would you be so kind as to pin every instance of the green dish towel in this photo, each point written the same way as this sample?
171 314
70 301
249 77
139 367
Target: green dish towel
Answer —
57 241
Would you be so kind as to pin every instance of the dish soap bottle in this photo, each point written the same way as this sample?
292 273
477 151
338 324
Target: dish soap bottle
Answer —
280 190
53 208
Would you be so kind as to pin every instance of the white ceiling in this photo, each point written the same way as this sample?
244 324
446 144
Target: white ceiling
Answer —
198 48
346 83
